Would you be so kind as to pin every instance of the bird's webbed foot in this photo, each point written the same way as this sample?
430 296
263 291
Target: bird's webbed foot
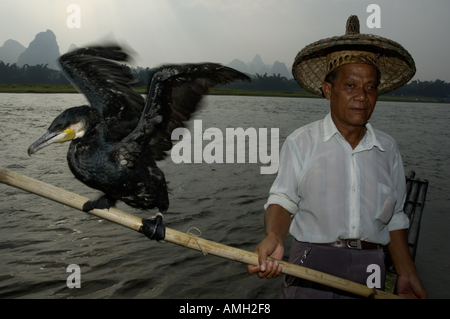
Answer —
104 202
154 228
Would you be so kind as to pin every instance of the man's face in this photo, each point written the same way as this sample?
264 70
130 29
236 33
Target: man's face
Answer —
352 96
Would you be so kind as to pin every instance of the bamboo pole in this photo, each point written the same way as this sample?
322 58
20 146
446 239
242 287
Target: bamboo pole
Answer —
186 240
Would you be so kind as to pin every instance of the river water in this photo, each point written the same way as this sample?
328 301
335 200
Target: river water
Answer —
39 238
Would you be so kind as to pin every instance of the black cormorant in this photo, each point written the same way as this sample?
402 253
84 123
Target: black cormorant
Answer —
116 141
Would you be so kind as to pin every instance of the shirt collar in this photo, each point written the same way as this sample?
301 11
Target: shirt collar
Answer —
367 143
329 128
370 140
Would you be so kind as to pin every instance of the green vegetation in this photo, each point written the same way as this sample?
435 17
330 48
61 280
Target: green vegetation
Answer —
37 88
67 88
36 74
14 79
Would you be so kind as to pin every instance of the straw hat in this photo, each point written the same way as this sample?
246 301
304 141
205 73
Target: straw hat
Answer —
318 59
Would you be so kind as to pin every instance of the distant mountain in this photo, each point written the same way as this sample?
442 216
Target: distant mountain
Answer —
280 68
238 65
10 51
257 66
72 47
42 50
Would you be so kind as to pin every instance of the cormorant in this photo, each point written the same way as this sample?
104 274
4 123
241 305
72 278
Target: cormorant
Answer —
116 141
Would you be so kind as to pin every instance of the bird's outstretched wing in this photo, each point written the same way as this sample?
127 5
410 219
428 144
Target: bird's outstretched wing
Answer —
175 93
106 84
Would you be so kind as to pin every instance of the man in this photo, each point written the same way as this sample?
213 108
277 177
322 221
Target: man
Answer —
342 180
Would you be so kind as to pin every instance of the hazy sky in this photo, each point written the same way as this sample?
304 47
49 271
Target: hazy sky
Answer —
175 31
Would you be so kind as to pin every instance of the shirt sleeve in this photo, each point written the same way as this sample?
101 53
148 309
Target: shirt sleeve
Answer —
399 220
284 190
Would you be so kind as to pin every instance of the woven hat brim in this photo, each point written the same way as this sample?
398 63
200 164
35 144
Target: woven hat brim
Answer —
396 65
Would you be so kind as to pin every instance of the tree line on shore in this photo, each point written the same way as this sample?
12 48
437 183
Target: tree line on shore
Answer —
30 74
42 74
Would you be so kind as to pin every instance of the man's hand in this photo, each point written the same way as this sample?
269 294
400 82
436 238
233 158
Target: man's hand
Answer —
277 221
271 247
409 284
411 287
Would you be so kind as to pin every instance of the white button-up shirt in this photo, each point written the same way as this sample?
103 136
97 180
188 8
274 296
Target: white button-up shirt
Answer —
336 192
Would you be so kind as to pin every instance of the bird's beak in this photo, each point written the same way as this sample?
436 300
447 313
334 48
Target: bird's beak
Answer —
50 138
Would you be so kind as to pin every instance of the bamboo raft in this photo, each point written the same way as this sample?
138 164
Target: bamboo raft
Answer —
414 207
416 193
